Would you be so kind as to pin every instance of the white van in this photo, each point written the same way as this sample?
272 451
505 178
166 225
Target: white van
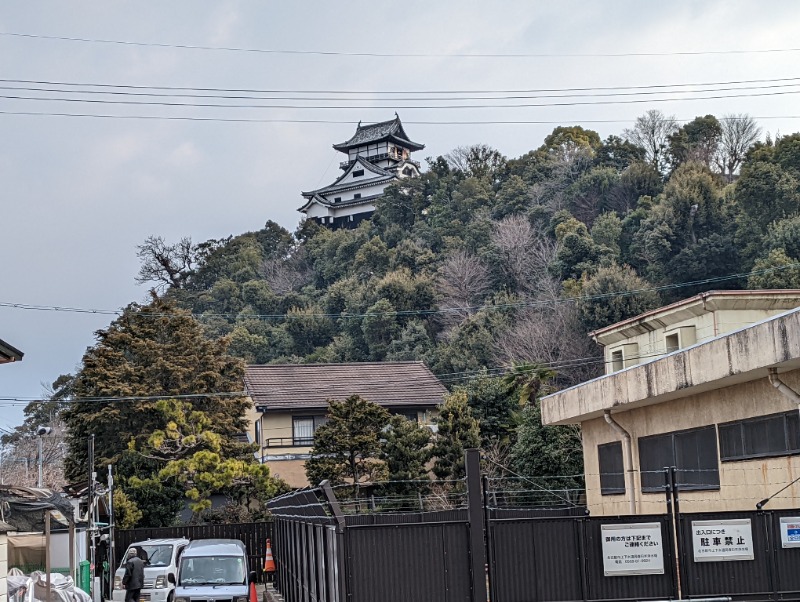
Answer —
214 570
161 561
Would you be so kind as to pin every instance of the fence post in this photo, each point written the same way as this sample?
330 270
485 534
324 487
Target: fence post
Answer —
472 460
342 560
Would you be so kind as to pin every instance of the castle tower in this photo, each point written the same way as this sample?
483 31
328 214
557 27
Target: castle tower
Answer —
378 154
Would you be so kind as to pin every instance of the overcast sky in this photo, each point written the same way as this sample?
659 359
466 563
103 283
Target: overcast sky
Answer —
79 193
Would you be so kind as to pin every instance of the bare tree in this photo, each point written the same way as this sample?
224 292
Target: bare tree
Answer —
285 275
550 334
651 132
166 265
20 460
526 252
739 133
462 281
478 160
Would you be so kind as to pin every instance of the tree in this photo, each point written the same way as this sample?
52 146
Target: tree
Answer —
614 294
651 132
463 280
476 161
457 430
150 353
347 448
166 265
697 140
739 133
405 449
527 381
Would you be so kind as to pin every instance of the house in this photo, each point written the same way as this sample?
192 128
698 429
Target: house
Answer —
708 385
378 155
8 353
290 402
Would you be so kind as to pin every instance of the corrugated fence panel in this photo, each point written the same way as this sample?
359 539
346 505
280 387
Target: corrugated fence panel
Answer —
727 578
536 559
787 560
628 587
409 562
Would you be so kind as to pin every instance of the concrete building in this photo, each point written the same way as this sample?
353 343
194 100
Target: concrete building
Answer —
378 155
707 385
290 401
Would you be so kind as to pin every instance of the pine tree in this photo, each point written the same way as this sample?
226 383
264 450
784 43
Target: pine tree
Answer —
457 431
347 448
405 447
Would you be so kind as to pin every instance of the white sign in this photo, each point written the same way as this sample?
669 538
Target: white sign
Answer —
633 549
719 540
790 531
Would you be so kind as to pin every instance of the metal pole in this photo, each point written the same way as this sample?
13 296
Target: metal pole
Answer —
39 482
90 509
472 460
111 526
47 559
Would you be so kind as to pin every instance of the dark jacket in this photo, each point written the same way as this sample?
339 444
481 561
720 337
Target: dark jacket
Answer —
134 573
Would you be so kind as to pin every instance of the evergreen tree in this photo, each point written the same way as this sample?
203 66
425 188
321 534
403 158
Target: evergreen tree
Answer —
405 448
347 448
457 430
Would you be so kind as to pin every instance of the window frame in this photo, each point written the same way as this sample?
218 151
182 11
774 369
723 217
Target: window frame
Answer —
644 474
611 488
742 424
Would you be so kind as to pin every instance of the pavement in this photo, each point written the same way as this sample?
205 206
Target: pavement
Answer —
268 593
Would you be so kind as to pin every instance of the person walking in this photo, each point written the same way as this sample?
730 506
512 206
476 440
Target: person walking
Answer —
133 580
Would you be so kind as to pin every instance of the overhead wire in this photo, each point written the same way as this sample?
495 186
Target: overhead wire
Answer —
290 51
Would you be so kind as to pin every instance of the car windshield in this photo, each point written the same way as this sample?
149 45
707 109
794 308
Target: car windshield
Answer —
154 555
218 570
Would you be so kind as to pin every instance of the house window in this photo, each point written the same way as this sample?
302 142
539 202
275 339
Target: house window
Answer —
258 431
673 343
357 195
617 362
358 173
762 437
304 427
693 452
612 468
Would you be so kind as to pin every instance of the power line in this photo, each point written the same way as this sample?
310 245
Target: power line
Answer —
417 312
285 51
97 101
380 92
264 95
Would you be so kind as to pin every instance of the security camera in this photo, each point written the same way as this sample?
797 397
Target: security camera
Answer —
43 430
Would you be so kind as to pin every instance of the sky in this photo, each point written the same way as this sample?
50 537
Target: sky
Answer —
83 183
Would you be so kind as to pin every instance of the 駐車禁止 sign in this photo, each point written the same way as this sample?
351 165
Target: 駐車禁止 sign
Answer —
632 549
720 540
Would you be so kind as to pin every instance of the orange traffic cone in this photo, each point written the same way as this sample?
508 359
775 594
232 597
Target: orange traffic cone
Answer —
269 561
253 593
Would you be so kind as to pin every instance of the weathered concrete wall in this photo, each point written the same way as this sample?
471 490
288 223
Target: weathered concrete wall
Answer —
738 357
742 483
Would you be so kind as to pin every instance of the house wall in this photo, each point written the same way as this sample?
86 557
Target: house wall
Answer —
3 567
742 483
707 326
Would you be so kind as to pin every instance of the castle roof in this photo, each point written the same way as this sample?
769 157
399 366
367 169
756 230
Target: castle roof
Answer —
378 132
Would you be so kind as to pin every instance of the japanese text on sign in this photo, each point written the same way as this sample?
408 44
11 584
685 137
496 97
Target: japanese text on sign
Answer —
720 540
633 549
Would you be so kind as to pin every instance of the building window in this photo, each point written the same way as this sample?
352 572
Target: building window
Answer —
617 362
337 199
762 437
612 468
304 427
673 344
693 452
258 431
357 173
357 195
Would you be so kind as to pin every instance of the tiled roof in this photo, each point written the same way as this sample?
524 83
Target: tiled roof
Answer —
307 386
373 132
348 203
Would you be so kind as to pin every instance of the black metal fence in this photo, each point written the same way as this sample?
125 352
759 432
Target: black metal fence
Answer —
332 549
253 535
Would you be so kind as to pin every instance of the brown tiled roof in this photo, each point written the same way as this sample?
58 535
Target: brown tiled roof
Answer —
306 386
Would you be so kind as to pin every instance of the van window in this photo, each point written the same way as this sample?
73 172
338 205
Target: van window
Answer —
160 555
208 570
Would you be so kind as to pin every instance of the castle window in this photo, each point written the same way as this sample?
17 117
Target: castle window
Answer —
358 173
357 195
337 199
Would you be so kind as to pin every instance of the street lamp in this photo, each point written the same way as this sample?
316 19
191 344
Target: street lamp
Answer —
40 432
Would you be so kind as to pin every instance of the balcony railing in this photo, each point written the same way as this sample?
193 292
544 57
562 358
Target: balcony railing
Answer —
289 442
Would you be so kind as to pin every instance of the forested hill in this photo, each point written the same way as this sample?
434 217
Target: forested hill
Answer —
474 264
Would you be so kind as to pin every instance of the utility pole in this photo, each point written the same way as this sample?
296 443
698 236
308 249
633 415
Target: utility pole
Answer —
41 432
111 527
90 508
